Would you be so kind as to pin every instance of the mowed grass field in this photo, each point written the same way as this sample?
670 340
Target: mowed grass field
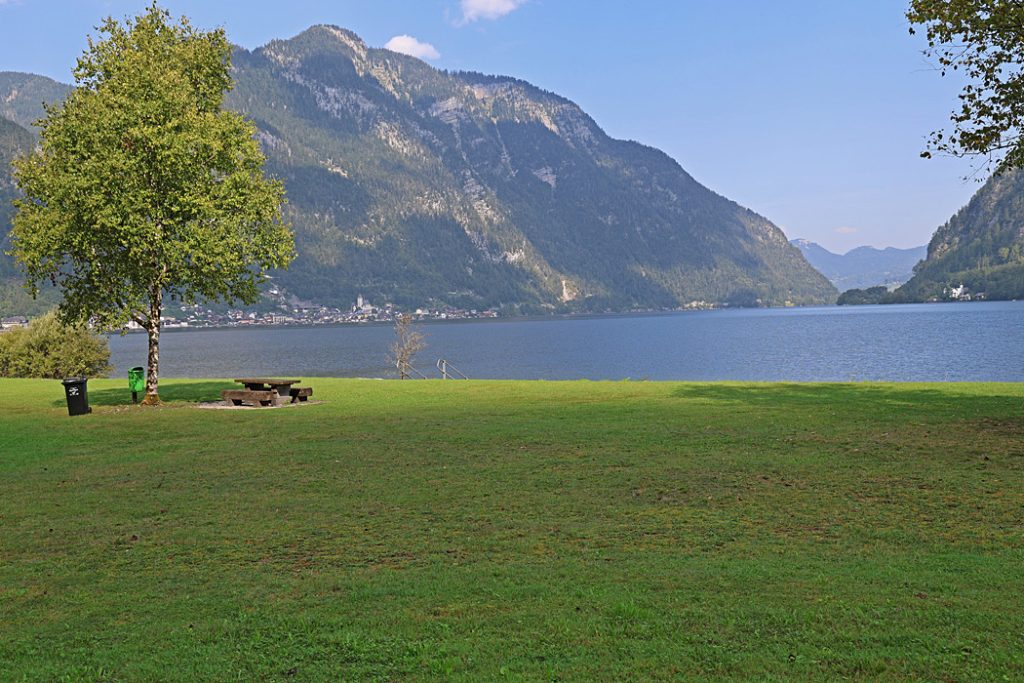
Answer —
483 531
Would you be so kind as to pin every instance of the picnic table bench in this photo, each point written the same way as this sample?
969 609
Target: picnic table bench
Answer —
266 391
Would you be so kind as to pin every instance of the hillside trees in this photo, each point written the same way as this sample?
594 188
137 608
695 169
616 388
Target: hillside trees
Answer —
144 187
984 40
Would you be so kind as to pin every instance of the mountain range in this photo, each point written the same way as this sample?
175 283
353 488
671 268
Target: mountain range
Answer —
429 188
862 267
423 187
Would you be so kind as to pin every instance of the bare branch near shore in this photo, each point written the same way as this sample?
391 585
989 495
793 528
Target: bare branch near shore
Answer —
407 345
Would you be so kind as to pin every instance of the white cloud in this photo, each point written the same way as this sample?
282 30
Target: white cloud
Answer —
407 45
475 10
846 230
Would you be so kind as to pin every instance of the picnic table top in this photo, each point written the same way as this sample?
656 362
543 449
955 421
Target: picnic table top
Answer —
266 380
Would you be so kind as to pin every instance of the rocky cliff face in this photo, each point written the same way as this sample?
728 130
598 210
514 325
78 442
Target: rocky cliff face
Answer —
412 184
419 186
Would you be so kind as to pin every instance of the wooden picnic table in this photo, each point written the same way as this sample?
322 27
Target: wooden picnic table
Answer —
266 391
281 386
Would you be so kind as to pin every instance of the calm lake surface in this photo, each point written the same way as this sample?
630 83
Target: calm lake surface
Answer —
926 342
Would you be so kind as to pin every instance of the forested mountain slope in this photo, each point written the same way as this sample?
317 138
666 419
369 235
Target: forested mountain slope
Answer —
418 186
14 140
22 96
981 248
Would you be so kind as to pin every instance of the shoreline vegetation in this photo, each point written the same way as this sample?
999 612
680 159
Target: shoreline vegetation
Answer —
513 529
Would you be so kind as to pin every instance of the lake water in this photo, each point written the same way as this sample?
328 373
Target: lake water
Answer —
927 342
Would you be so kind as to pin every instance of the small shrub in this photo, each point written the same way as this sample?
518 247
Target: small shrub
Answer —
49 349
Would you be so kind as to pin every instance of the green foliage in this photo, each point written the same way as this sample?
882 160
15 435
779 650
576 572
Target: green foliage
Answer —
14 140
860 297
144 186
521 531
48 348
21 104
982 40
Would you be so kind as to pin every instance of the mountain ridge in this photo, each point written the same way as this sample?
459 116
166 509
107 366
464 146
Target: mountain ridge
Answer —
425 187
864 266
22 96
511 148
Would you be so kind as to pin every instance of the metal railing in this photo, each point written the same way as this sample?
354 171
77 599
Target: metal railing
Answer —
409 371
449 371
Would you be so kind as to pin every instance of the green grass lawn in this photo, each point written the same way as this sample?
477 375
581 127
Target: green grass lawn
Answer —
483 531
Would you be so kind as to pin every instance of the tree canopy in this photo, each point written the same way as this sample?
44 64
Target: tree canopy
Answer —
143 186
984 40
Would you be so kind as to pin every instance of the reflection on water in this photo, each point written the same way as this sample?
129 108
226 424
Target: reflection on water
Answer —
934 342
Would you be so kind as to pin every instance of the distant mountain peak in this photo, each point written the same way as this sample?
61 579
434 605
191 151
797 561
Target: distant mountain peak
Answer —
343 35
862 267
337 33
523 187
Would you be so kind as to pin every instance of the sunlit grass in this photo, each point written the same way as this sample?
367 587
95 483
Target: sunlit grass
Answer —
515 530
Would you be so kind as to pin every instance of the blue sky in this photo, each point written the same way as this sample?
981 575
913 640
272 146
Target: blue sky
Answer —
812 113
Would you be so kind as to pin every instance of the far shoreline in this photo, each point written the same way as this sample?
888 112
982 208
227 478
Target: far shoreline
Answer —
561 316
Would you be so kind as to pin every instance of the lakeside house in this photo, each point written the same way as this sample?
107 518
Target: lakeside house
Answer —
13 322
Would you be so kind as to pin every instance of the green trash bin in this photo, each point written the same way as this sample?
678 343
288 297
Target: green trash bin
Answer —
137 382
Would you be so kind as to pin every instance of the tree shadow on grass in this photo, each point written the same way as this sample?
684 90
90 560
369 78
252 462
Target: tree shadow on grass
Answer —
170 392
939 397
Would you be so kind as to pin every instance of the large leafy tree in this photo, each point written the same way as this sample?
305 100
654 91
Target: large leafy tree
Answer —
984 40
143 187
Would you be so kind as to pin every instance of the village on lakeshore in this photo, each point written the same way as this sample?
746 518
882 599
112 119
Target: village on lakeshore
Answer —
294 312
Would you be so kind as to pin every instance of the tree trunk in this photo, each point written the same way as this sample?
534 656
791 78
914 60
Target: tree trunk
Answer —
153 364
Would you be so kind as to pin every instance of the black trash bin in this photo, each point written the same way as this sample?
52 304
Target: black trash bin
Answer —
77 394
